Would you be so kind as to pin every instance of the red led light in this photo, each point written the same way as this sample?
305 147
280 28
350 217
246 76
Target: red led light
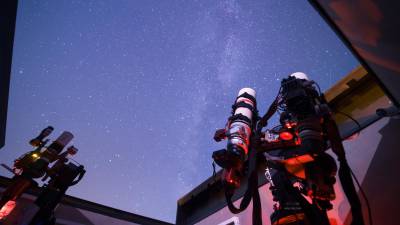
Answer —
286 136
7 209
290 125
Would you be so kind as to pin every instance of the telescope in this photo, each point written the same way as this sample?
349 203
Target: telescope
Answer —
297 164
35 164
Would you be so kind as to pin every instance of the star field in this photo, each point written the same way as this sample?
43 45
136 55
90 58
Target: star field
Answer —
143 85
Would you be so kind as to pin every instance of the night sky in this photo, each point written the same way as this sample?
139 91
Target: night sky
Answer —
143 85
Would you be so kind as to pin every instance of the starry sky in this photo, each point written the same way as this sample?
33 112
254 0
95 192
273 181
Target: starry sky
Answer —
143 85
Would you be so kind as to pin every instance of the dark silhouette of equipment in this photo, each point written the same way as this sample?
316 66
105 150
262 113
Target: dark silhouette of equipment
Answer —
65 176
44 162
297 164
39 140
388 112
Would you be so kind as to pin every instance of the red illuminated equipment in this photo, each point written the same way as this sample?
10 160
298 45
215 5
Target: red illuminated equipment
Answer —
34 164
371 86
295 153
237 132
47 162
7 209
230 176
286 136
16 189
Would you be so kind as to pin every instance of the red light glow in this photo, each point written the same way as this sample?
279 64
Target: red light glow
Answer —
7 209
286 136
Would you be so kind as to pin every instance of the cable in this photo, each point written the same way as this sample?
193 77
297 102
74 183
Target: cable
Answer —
364 196
354 176
75 161
319 89
351 118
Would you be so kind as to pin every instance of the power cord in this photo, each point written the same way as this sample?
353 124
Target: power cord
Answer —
354 176
364 196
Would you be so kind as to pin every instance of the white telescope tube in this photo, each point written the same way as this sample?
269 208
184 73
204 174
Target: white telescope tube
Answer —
239 129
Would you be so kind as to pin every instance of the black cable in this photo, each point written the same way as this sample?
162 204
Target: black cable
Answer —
75 161
364 196
319 89
351 118
354 176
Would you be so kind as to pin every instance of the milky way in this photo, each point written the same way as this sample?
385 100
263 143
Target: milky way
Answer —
143 85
